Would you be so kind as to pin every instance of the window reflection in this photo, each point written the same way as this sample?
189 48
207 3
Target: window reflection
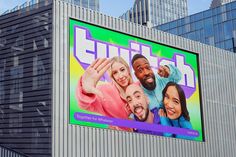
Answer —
39 79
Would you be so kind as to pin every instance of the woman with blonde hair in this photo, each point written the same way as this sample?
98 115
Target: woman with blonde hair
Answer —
107 99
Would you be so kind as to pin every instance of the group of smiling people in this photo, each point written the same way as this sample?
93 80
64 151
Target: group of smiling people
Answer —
155 98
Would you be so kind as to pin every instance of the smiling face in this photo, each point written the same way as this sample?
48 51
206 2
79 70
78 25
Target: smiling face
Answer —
172 103
137 101
121 74
144 73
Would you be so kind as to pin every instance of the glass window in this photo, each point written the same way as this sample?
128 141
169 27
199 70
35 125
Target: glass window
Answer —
166 27
234 24
228 30
207 41
234 34
180 30
208 27
217 45
85 3
214 11
223 8
229 44
198 25
173 31
198 35
186 19
192 18
192 36
218 11
207 13
173 24
185 35
219 19
186 28
215 19
224 17
192 26
77 2
202 39
181 22
217 33
228 6
221 45
198 16
233 5
228 14
233 14
211 41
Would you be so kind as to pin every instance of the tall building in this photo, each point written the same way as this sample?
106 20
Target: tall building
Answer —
46 46
155 12
91 4
216 27
217 3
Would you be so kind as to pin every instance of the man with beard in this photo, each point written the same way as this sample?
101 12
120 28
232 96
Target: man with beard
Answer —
138 103
153 84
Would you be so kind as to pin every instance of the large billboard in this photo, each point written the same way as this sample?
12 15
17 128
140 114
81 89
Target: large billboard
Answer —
127 83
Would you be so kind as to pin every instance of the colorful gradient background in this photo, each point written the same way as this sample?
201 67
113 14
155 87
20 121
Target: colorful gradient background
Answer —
113 37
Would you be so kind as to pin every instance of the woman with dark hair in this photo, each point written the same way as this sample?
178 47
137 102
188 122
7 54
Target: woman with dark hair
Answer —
175 108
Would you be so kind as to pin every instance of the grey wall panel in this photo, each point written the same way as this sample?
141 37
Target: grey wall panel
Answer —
218 87
5 152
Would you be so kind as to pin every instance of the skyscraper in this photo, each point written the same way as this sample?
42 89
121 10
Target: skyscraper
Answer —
216 27
155 12
217 3
91 4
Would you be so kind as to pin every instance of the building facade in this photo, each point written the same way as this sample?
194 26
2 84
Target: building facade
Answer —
35 90
217 3
91 4
215 27
155 12
26 79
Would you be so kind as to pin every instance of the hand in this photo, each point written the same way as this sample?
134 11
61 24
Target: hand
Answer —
127 109
93 74
161 113
163 71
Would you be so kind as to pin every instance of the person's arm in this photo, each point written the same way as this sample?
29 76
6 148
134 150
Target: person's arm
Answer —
187 125
175 74
88 95
170 72
165 122
88 101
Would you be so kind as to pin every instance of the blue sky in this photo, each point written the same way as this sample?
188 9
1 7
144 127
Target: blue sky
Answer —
115 7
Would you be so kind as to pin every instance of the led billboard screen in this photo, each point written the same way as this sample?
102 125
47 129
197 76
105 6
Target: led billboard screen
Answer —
123 82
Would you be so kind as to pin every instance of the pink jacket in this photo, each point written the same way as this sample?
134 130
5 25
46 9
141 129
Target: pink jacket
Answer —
111 105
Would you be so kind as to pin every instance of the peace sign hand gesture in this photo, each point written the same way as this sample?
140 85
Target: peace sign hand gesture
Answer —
93 74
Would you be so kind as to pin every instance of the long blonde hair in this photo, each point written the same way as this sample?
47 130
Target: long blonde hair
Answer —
122 61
